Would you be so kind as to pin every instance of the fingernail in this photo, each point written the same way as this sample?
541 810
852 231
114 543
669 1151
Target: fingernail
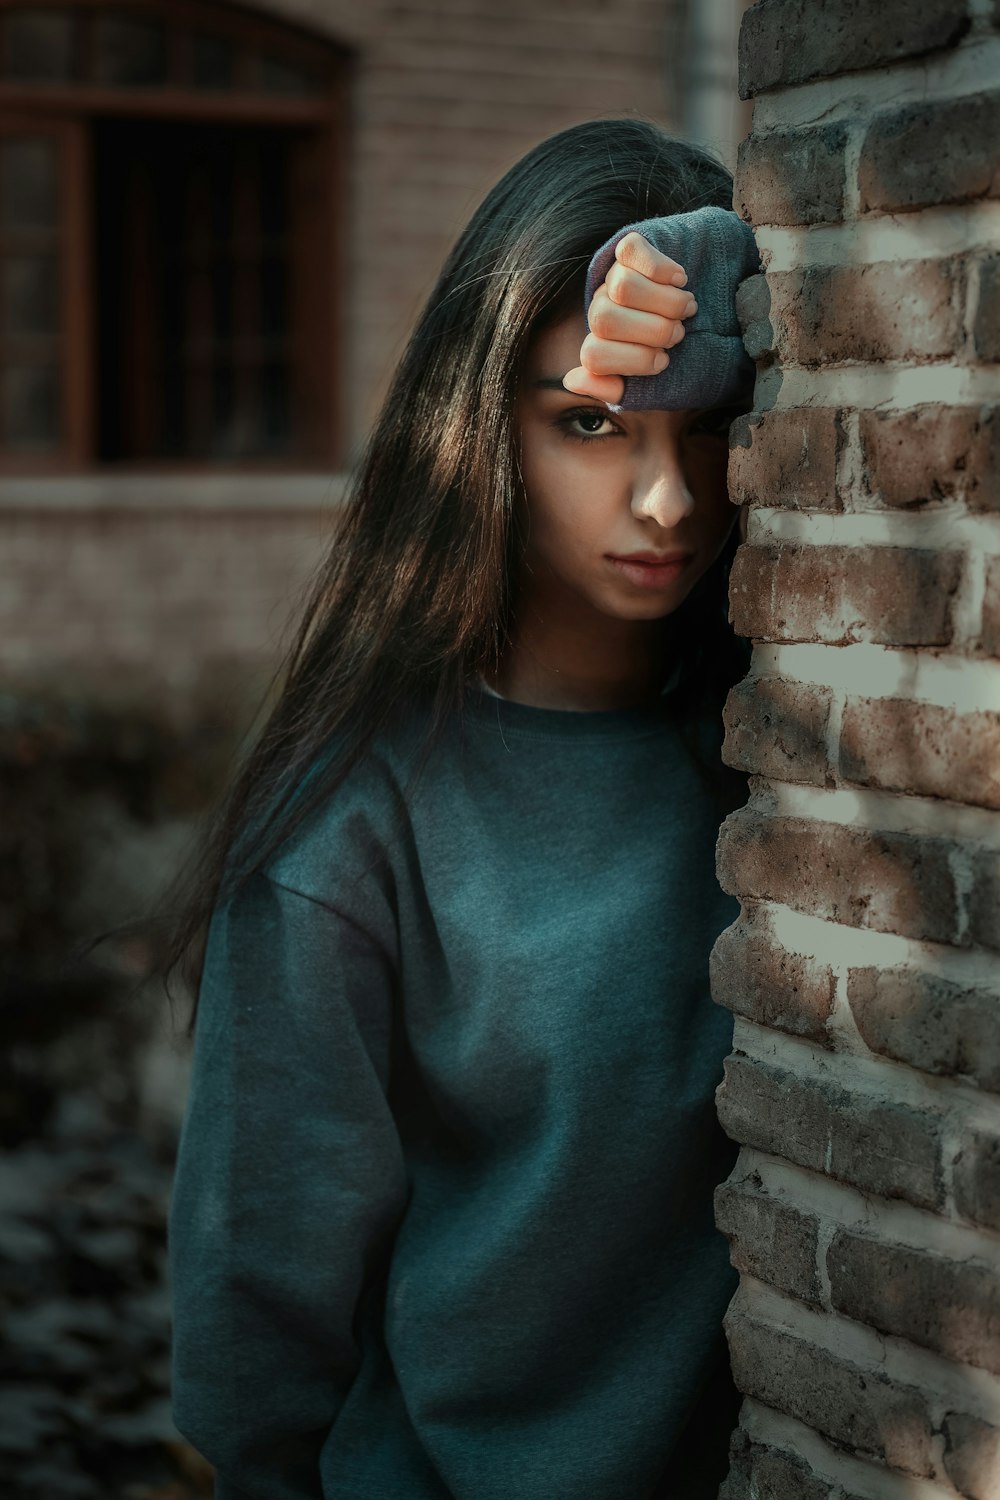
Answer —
693 308
680 278
660 361
676 336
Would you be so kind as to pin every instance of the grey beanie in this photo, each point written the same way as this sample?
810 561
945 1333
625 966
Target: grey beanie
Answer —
710 366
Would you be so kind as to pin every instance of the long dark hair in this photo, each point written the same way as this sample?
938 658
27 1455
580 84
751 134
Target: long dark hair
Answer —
414 595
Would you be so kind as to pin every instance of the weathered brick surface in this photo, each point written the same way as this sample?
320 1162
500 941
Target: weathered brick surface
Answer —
859 1408
880 1147
937 151
929 1022
787 41
949 1306
921 748
972 1455
778 728
766 1473
786 457
986 326
889 882
991 609
888 310
769 1239
895 596
792 176
977 1178
754 976
933 453
984 900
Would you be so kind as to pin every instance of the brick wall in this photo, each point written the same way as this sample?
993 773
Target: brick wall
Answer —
864 970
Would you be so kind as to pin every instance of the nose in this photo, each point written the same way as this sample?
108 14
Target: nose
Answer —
659 487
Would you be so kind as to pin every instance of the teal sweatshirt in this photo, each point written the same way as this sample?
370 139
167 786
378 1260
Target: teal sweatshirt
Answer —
442 1222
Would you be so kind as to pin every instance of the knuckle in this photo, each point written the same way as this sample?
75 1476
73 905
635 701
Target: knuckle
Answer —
603 320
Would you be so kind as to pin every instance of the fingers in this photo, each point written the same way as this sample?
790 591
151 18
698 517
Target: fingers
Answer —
635 251
614 357
631 326
607 388
627 288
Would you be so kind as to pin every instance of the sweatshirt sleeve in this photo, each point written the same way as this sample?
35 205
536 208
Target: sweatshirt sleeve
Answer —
290 1183
710 367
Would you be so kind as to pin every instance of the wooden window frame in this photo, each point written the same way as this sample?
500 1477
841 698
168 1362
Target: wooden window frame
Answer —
317 261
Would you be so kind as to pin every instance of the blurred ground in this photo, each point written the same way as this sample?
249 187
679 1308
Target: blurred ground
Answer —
84 1359
97 812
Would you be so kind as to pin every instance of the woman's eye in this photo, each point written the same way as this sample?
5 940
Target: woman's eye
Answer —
587 423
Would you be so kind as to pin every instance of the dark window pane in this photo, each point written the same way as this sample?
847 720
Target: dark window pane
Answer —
29 400
212 63
273 298
222 300
29 294
274 396
28 198
40 45
278 76
130 51
273 194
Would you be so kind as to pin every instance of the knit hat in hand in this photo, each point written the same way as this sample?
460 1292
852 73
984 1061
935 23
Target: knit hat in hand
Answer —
710 366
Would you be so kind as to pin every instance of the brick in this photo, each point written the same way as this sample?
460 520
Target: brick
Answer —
921 748
777 728
937 151
786 457
753 311
952 1307
754 976
972 1455
930 1022
769 1239
888 882
986 324
792 176
933 453
887 310
875 1145
767 1473
785 41
858 1408
893 596
977 1178
984 899
990 634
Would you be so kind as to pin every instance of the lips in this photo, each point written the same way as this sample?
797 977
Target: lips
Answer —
651 570
655 559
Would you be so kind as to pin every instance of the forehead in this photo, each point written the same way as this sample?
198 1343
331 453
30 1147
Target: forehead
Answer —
556 348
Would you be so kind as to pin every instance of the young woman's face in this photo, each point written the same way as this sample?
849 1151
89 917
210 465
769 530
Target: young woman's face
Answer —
625 511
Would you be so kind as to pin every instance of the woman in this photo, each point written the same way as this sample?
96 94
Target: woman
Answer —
442 1224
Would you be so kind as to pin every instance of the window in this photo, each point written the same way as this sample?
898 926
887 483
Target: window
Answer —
169 185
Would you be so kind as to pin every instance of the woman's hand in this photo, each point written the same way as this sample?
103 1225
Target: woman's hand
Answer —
635 317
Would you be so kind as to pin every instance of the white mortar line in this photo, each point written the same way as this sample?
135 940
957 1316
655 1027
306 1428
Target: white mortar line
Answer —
967 69
868 671
869 1481
888 385
923 234
968 1387
842 948
942 526
842 1206
877 812
967 610
876 1078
